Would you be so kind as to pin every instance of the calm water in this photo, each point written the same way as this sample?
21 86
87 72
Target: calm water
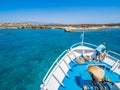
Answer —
26 55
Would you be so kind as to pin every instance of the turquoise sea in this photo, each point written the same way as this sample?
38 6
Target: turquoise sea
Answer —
26 55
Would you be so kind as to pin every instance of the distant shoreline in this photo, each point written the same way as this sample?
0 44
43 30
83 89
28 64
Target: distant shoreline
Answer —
67 28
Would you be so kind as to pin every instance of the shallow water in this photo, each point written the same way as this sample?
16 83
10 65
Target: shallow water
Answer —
26 55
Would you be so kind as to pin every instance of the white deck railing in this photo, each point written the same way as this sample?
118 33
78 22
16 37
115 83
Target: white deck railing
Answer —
95 46
57 72
115 67
56 62
51 68
84 44
114 53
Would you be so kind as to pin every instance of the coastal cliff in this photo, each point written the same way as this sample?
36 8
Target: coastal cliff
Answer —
69 28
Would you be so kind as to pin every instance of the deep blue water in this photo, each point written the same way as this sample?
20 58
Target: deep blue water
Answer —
26 55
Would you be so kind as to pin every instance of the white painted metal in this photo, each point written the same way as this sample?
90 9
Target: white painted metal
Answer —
59 74
53 66
69 57
72 56
53 84
58 70
88 45
113 53
72 52
82 36
109 61
49 79
66 58
67 64
114 66
116 86
64 68
117 68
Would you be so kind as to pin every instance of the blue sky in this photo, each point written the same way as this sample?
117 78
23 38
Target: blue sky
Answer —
60 11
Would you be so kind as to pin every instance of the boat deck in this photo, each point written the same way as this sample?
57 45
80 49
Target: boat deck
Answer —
66 74
80 70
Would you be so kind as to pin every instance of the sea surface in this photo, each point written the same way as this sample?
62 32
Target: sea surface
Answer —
26 55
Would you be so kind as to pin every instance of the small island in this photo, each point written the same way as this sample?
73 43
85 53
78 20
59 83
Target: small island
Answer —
66 27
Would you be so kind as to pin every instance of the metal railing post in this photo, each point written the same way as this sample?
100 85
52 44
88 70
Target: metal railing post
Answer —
63 71
67 65
58 80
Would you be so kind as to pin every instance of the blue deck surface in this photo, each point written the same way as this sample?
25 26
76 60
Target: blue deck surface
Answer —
79 76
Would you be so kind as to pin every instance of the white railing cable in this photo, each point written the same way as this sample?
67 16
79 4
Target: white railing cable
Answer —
53 66
115 59
63 71
90 44
73 53
66 51
76 44
67 64
115 64
113 53
68 54
79 44
58 81
82 38
118 59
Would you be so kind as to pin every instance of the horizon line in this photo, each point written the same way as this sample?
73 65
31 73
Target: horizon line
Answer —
50 23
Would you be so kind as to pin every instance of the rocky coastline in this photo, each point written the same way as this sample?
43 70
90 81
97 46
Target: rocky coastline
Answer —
67 28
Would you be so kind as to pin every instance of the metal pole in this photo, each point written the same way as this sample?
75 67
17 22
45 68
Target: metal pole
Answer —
68 54
82 38
82 41
73 53
67 65
58 80
63 71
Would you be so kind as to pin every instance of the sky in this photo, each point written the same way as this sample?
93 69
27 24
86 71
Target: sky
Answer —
60 11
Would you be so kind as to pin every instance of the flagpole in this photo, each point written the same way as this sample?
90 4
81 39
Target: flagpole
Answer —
82 37
82 42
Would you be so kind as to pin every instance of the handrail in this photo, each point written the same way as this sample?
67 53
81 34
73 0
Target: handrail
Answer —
51 68
109 51
79 43
113 52
60 56
76 44
90 44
